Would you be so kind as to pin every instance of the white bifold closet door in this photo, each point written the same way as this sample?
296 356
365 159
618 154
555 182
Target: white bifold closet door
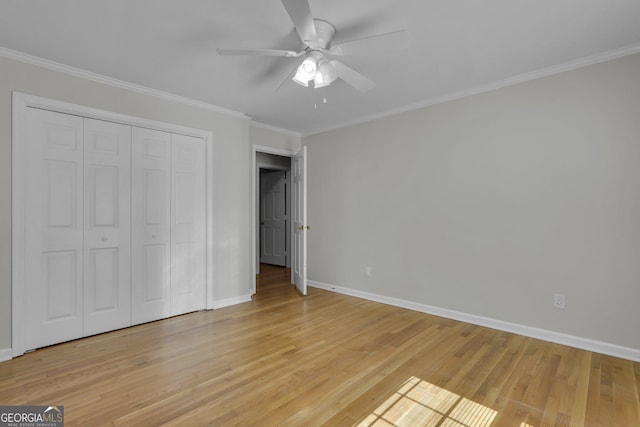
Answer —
187 224
151 228
168 225
54 228
77 233
115 226
107 228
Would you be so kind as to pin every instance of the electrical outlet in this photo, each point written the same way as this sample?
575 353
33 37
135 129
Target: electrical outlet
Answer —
367 270
558 301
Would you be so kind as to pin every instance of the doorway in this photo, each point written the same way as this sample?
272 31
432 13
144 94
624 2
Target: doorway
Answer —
295 165
272 229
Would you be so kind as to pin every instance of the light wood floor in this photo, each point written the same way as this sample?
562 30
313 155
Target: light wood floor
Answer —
284 359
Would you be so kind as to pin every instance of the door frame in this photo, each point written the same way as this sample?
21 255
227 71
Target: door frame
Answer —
255 265
20 103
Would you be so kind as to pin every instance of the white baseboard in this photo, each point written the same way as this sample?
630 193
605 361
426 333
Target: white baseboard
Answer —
231 301
5 354
529 331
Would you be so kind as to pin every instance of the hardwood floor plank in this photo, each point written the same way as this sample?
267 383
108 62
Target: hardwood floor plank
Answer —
323 359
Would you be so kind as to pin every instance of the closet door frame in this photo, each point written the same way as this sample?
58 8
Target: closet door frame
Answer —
20 103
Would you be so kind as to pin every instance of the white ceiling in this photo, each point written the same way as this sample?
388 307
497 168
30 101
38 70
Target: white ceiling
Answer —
457 45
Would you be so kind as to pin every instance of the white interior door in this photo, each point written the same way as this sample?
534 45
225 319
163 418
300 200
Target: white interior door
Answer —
273 217
107 183
150 224
299 183
187 224
54 231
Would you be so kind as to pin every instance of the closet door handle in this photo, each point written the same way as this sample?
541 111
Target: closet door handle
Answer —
105 238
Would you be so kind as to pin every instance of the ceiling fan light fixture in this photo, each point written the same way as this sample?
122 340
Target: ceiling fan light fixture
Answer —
319 82
309 65
300 79
306 71
326 74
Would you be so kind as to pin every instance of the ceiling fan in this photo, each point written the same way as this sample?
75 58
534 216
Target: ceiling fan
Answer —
318 65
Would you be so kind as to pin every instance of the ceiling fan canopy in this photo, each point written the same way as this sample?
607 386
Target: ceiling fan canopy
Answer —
316 36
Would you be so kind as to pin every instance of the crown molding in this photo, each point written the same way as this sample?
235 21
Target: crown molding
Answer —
511 81
99 78
545 72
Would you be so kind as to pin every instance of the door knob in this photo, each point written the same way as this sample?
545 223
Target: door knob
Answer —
105 238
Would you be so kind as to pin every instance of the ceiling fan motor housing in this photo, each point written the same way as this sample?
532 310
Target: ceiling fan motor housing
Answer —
325 32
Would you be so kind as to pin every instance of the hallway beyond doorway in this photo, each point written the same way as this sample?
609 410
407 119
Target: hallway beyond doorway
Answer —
271 276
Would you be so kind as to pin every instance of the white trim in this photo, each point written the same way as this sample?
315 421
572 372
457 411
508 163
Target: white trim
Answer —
99 78
272 150
5 354
545 72
511 81
274 128
254 220
20 104
528 331
210 229
34 101
254 177
227 302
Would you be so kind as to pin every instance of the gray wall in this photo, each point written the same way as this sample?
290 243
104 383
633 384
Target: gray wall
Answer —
232 140
490 204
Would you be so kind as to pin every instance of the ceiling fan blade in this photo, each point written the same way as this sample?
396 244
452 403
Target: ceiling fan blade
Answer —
300 13
353 77
259 52
373 44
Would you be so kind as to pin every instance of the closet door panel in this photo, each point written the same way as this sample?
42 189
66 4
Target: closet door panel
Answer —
151 230
54 231
107 254
187 224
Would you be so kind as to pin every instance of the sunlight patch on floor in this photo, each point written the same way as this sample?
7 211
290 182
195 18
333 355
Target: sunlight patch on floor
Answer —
420 403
